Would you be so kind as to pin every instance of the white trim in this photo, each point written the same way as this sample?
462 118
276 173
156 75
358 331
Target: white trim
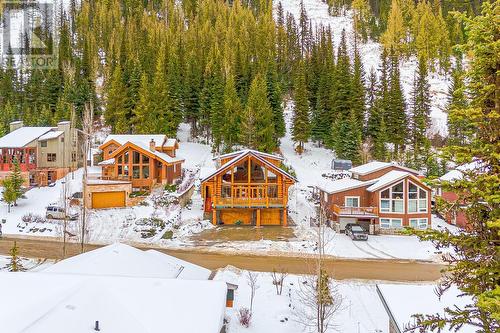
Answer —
390 219
352 197
391 199
418 198
418 220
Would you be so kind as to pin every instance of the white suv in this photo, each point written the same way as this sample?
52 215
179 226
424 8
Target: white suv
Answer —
55 212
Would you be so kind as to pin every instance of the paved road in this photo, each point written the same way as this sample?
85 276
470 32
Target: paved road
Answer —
373 269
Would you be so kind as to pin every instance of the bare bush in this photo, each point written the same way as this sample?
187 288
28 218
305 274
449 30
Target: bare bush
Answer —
279 279
252 282
244 316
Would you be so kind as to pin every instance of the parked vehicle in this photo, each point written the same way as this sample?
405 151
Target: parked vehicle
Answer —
55 212
356 232
77 195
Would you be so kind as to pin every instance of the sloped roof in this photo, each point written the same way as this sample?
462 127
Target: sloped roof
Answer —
237 153
61 303
387 179
126 261
159 139
51 135
23 136
343 185
162 156
424 300
374 166
459 172
244 154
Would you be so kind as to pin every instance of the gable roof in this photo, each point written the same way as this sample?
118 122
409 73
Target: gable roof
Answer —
160 140
145 149
342 185
23 136
392 177
126 261
375 166
51 135
245 153
239 152
60 303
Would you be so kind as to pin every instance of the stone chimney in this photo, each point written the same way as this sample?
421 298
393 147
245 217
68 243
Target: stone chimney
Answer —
15 125
152 145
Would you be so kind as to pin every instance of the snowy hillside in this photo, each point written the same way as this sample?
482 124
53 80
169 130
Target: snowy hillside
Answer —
317 12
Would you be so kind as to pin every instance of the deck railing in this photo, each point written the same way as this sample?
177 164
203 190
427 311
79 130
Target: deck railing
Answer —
358 211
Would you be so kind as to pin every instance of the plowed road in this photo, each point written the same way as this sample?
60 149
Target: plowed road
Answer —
339 268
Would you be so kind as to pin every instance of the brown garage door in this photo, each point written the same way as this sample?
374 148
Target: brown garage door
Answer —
108 199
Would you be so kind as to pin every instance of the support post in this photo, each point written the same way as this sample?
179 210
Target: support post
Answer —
214 216
285 222
258 217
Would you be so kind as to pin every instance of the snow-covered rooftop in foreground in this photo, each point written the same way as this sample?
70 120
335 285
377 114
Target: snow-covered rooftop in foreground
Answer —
403 301
370 167
59 303
22 136
144 139
126 261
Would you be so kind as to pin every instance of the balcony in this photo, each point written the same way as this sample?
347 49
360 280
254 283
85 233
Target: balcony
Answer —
355 211
241 202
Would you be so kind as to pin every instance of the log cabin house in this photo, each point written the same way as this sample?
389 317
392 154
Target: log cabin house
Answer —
248 188
133 163
381 197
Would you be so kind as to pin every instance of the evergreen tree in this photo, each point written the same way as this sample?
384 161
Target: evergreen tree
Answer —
395 114
9 194
420 115
257 123
160 104
300 125
144 120
361 18
459 127
348 145
358 90
116 108
275 99
474 267
233 112
17 180
15 264
394 38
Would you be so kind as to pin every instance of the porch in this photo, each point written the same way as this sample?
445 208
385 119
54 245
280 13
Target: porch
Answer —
355 211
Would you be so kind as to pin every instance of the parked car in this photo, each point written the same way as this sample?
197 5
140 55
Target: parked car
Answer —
55 212
356 232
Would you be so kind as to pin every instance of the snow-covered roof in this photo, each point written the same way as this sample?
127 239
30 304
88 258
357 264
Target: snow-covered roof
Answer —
126 261
22 136
186 270
387 179
159 139
51 135
243 154
459 172
424 300
163 156
374 166
343 185
61 303
237 153
110 161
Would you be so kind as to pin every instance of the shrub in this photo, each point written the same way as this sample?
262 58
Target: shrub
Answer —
27 217
238 222
168 234
244 316
170 187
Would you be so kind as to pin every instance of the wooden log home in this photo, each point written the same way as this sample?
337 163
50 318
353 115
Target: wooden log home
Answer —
248 188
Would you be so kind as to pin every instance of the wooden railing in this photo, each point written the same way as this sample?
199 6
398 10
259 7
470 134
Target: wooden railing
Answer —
249 202
359 211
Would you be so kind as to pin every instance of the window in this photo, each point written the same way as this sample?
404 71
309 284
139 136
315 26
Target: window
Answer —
43 144
391 223
120 170
73 157
136 172
136 157
352 201
62 139
272 191
110 151
145 159
51 157
120 159
419 223
145 171
226 191
392 199
417 199
125 157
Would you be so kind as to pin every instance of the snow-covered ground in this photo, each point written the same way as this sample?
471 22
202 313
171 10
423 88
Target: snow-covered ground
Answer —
361 309
317 12
33 265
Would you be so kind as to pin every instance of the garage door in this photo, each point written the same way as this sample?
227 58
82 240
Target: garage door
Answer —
230 216
270 217
345 220
108 199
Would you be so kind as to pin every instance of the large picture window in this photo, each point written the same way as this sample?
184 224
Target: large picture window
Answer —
352 201
419 223
417 199
392 199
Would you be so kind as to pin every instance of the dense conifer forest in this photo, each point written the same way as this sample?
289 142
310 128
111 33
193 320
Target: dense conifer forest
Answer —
226 67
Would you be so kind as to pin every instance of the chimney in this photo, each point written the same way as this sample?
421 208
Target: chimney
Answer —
15 125
96 327
152 145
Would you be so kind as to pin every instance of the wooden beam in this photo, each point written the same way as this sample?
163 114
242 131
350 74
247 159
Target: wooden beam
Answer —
258 217
285 222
